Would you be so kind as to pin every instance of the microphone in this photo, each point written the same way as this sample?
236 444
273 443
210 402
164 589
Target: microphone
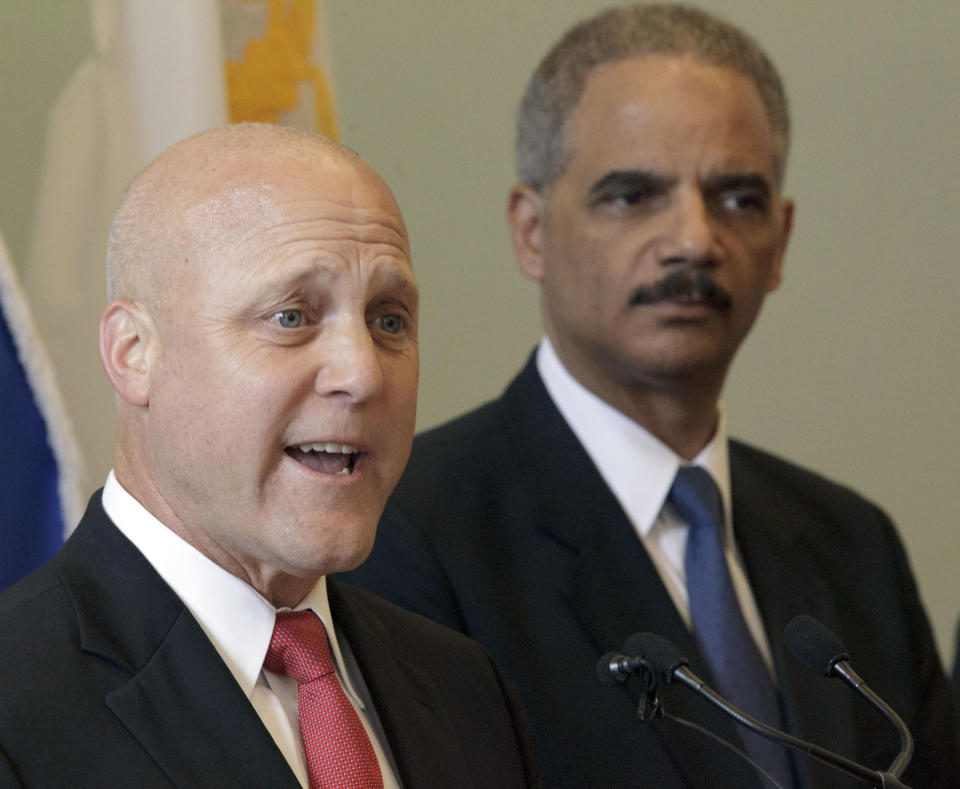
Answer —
668 664
820 650
614 668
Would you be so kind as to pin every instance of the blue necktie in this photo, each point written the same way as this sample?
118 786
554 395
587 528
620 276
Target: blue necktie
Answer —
718 624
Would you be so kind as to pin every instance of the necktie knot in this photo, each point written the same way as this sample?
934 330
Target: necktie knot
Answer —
697 500
338 752
299 648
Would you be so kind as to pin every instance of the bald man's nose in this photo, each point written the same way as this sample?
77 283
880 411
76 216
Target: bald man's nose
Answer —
350 363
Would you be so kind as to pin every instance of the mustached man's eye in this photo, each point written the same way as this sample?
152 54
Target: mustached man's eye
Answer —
289 319
745 201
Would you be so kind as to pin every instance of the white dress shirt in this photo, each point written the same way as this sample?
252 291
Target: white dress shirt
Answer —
239 622
639 469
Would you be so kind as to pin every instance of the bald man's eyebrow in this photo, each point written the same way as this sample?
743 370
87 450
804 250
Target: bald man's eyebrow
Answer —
632 185
398 281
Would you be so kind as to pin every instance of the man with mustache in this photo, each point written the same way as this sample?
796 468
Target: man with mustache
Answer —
557 520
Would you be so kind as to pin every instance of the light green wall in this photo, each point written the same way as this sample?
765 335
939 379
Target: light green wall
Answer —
853 368
41 42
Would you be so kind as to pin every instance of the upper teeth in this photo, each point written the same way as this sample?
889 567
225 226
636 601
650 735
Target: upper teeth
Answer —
333 449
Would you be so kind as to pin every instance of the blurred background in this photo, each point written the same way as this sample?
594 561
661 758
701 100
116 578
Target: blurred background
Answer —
853 369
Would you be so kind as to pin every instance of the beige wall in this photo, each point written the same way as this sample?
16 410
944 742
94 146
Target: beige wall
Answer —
41 42
853 368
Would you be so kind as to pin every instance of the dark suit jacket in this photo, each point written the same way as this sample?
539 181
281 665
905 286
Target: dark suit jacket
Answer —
106 679
502 528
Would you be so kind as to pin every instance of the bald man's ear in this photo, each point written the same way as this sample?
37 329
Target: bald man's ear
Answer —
128 341
525 208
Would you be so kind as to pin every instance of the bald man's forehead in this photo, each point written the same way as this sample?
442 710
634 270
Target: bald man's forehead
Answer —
262 140
262 198
240 230
206 197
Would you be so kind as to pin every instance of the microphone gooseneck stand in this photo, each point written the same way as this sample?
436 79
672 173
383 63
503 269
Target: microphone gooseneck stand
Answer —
655 658
820 650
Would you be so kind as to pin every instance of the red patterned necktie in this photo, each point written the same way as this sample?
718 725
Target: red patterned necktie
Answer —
339 753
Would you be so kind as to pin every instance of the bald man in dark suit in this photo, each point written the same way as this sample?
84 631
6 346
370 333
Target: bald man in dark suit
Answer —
261 337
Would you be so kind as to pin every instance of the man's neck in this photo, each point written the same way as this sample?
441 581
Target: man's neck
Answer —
685 424
679 410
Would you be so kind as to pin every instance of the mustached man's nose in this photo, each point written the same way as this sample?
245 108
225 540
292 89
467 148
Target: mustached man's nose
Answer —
689 233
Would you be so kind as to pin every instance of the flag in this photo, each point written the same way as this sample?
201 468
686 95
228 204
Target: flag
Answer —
278 64
154 77
40 466
159 73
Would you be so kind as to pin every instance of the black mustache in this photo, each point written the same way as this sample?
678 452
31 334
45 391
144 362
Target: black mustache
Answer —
697 285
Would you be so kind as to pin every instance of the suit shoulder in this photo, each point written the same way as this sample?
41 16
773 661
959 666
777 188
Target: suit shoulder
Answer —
37 621
406 628
781 477
467 454
29 592
462 435
475 448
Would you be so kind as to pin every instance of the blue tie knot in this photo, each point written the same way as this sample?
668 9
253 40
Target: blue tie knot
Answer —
697 499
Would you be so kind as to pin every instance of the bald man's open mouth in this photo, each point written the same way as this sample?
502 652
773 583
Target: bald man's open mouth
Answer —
328 458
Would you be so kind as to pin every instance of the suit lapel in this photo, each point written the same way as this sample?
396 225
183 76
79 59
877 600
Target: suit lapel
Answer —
186 710
614 589
770 537
635 600
407 702
180 701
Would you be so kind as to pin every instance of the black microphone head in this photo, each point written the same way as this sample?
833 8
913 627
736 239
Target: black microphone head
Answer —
607 671
814 644
661 655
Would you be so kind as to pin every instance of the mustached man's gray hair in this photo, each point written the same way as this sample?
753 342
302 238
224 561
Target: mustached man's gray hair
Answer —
542 148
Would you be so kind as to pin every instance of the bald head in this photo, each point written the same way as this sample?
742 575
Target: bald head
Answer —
198 191
263 310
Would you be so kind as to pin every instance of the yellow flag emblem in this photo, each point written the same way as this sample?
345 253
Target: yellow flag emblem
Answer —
276 73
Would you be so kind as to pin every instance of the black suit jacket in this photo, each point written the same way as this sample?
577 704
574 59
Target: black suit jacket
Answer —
503 528
106 679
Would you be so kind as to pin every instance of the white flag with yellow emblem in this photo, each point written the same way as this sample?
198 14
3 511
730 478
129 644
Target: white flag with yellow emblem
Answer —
278 64
161 70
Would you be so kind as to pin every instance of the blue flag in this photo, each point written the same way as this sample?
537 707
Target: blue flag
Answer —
37 506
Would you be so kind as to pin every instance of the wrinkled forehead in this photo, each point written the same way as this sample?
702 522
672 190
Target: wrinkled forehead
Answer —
257 195
679 91
247 218
202 198
655 104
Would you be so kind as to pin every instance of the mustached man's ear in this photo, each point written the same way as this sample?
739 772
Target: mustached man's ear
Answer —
525 216
786 225
128 341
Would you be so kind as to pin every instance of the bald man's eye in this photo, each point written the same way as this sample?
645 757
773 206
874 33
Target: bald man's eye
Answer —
392 324
289 319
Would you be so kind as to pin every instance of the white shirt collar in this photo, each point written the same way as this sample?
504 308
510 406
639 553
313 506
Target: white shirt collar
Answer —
236 618
635 464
